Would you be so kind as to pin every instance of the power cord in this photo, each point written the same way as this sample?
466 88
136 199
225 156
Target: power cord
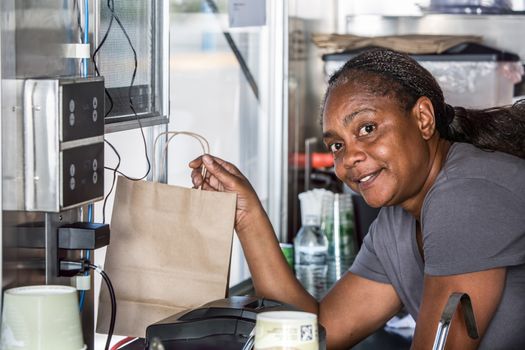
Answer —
113 301
72 268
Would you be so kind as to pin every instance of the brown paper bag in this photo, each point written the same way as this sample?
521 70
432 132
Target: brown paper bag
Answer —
170 251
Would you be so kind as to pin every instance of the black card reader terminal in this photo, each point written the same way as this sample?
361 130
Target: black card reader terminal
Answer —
222 324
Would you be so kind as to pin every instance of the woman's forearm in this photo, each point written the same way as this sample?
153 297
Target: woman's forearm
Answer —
271 275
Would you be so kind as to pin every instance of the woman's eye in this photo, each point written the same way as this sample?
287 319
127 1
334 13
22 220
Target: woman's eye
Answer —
334 147
366 129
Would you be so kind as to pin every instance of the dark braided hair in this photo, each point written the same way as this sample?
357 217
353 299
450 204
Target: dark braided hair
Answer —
383 72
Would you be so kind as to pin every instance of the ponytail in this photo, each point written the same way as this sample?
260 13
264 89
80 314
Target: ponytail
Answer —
497 128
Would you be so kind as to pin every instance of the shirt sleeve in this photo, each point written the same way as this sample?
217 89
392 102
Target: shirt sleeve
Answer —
472 225
366 263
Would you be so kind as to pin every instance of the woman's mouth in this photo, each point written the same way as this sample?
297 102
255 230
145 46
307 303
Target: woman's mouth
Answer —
366 178
366 181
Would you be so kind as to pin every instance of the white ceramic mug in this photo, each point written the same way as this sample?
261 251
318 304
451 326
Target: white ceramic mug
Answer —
41 318
286 330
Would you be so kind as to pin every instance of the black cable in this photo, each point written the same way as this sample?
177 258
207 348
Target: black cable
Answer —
111 5
104 38
113 302
113 183
108 111
131 106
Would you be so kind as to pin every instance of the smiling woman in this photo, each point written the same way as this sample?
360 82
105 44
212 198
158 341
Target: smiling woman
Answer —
397 143
452 217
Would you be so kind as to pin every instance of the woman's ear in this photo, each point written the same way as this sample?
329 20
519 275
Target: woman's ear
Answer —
423 111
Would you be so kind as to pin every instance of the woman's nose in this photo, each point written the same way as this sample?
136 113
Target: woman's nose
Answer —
353 154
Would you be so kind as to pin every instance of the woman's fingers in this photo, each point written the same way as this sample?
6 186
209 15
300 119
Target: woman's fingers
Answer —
196 178
196 173
218 174
196 163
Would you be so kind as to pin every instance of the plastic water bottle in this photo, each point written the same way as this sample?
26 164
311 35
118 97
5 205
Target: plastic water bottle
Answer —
311 264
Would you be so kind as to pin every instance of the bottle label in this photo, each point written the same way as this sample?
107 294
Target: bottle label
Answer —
312 255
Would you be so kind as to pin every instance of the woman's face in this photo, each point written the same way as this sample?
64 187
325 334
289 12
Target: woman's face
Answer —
378 148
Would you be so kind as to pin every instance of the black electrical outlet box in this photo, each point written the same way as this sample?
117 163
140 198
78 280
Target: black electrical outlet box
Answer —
83 235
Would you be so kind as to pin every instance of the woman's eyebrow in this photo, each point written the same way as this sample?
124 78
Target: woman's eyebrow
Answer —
350 117
327 135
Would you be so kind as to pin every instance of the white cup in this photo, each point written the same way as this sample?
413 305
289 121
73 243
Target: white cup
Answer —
286 330
41 318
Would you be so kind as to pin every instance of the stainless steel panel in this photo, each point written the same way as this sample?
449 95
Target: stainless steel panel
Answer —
30 133
44 24
12 144
34 156
41 116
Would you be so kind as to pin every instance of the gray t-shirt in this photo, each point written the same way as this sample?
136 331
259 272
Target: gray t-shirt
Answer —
473 219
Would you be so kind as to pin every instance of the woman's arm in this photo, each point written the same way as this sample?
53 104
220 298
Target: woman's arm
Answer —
354 308
484 288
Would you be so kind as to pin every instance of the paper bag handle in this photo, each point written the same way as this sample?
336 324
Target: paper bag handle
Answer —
204 144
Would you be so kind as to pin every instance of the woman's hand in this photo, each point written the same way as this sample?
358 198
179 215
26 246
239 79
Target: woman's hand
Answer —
225 177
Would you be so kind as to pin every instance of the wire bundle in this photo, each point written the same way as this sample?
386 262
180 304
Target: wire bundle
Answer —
113 301
114 16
